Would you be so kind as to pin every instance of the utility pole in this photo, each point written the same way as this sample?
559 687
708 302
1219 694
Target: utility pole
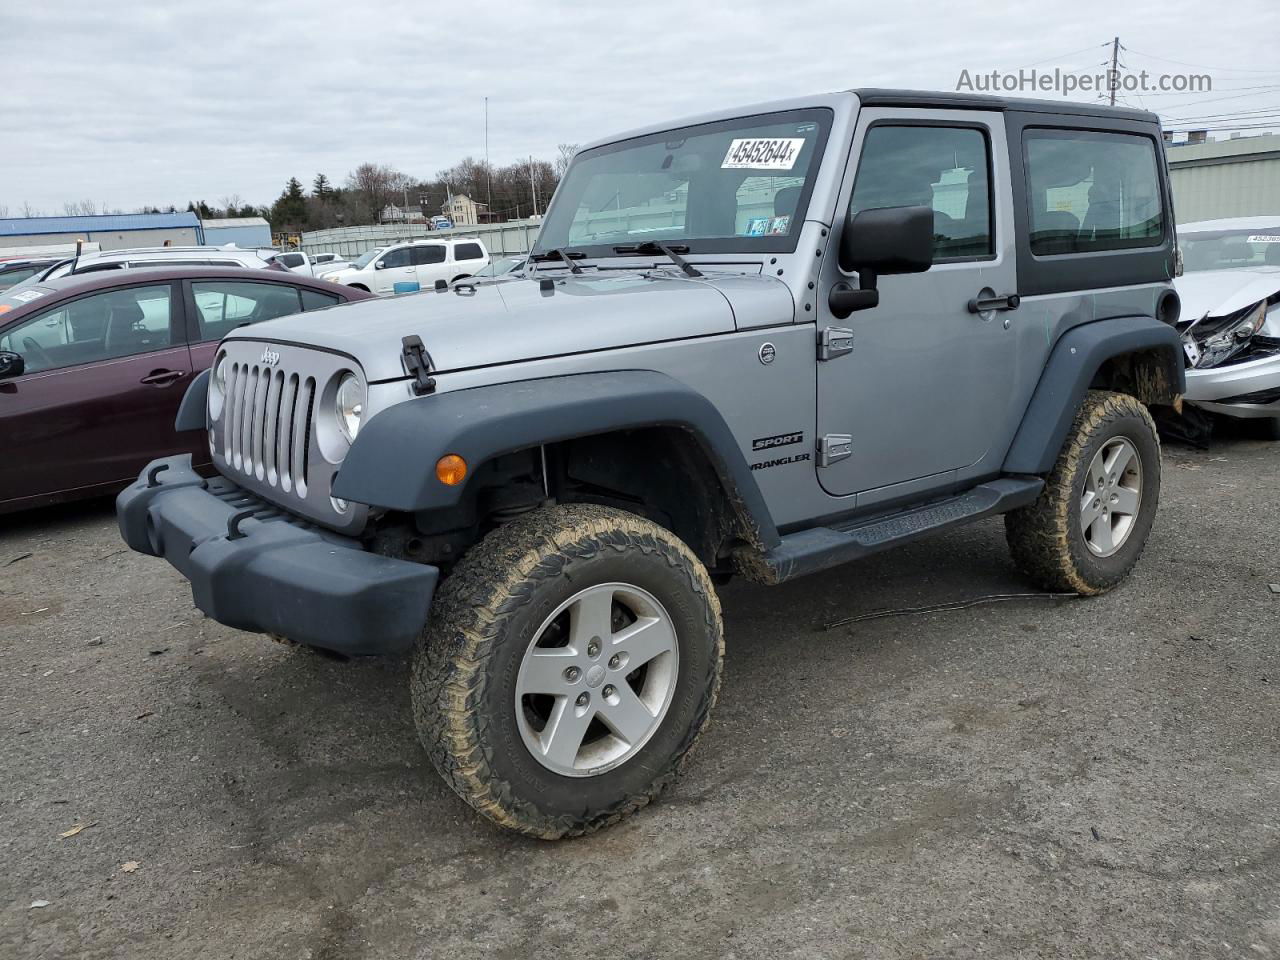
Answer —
488 172
1113 78
534 185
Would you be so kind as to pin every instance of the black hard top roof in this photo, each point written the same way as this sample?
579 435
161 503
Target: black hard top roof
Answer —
881 97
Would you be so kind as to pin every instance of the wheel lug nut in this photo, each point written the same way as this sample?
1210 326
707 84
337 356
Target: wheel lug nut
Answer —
614 662
572 674
583 699
608 690
593 648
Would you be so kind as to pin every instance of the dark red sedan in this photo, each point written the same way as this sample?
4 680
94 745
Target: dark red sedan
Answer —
93 367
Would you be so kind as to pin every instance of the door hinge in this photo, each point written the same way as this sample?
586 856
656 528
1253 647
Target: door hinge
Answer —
834 342
833 448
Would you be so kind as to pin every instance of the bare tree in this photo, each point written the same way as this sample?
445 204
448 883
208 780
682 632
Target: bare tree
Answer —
231 205
564 154
28 210
80 208
4 211
376 185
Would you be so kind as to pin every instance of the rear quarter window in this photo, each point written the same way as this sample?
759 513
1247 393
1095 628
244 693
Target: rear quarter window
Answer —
468 251
1090 191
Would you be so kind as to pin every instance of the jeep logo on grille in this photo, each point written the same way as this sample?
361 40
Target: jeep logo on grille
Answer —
270 357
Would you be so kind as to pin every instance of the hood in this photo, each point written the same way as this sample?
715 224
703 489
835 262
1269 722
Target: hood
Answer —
1217 293
512 319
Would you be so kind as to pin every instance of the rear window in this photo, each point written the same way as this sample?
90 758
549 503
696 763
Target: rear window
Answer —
468 251
1092 192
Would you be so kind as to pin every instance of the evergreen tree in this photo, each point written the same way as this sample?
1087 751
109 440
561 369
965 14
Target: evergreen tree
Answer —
290 209
321 189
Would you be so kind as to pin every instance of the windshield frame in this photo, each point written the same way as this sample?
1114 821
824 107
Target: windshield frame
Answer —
824 117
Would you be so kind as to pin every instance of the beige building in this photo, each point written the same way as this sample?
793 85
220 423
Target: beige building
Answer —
463 211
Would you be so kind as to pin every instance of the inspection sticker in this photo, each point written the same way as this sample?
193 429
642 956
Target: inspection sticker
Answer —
26 296
1264 238
763 154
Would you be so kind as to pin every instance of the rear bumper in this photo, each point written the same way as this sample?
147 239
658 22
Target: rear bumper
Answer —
275 574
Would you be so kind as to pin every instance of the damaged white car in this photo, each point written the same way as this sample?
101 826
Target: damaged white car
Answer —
1230 325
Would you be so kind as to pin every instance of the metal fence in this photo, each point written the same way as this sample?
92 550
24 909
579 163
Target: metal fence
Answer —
501 239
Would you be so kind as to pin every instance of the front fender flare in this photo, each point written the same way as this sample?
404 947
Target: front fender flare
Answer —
392 462
1073 363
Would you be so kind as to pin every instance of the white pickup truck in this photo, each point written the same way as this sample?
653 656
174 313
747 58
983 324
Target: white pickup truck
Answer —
311 264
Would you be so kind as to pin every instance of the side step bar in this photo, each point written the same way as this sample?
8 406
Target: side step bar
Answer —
820 548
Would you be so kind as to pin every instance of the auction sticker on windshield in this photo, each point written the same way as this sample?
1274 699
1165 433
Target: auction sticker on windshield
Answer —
763 153
1263 238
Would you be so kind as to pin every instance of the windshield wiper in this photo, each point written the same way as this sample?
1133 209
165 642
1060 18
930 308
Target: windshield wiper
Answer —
651 246
568 256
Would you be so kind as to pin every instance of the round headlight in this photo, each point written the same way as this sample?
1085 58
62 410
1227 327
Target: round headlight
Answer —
350 405
217 387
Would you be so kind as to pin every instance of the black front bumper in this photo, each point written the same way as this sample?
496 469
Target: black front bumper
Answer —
270 572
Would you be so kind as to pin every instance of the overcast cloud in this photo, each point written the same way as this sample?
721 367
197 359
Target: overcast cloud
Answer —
135 102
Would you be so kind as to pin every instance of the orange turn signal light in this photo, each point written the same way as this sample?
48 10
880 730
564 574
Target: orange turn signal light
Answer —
451 469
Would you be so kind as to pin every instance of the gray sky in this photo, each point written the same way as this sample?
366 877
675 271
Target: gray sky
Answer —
136 102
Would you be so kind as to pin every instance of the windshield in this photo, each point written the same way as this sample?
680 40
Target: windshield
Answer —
1229 249
367 258
732 186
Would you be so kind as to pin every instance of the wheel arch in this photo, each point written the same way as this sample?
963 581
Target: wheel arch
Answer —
1137 355
599 425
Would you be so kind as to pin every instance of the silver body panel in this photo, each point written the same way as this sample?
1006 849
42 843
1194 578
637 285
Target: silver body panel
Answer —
931 394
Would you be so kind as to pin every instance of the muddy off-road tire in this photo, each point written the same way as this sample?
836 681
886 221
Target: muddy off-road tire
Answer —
1087 530
575 621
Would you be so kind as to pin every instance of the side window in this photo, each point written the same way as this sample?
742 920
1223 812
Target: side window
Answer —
105 326
223 305
1092 191
396 258
468 251
946 168
291 259
314 299
427 253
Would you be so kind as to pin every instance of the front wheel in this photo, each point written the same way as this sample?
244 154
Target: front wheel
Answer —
571 662
1088 528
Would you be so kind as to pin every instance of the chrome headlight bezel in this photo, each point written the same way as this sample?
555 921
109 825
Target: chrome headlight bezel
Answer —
217 387
349 401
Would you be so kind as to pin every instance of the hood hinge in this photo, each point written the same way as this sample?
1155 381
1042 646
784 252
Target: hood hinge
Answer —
418 363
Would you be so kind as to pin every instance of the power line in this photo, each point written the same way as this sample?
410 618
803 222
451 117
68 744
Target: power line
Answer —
1062 56
1201 66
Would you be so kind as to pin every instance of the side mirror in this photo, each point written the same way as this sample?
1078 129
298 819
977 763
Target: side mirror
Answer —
380 265
887 240
11 364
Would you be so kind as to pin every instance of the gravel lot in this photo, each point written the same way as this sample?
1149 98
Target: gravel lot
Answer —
1037 778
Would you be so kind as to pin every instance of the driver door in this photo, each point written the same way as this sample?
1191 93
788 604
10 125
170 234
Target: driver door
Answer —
394 266
925 391
103 378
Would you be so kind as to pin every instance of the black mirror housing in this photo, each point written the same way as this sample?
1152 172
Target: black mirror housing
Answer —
888 240
11 364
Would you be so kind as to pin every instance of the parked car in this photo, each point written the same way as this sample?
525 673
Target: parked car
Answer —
125 259
16 271
415 265
759 343
92 368
310 265
1230 291
441 223
501 268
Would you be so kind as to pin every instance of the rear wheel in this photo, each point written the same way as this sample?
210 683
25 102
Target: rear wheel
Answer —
1089 526
571 661
1269 429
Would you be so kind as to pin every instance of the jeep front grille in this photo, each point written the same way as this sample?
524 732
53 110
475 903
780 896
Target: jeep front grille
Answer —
270 435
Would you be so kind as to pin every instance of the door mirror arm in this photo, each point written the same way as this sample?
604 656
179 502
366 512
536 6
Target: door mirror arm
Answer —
885 240
11 364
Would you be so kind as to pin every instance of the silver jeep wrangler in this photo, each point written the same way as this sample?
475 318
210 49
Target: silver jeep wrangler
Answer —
761 342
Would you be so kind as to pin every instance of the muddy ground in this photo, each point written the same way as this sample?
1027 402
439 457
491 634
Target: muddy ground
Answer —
1092 778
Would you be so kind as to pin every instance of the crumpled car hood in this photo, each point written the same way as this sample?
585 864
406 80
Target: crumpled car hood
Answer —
513 319
1217 293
